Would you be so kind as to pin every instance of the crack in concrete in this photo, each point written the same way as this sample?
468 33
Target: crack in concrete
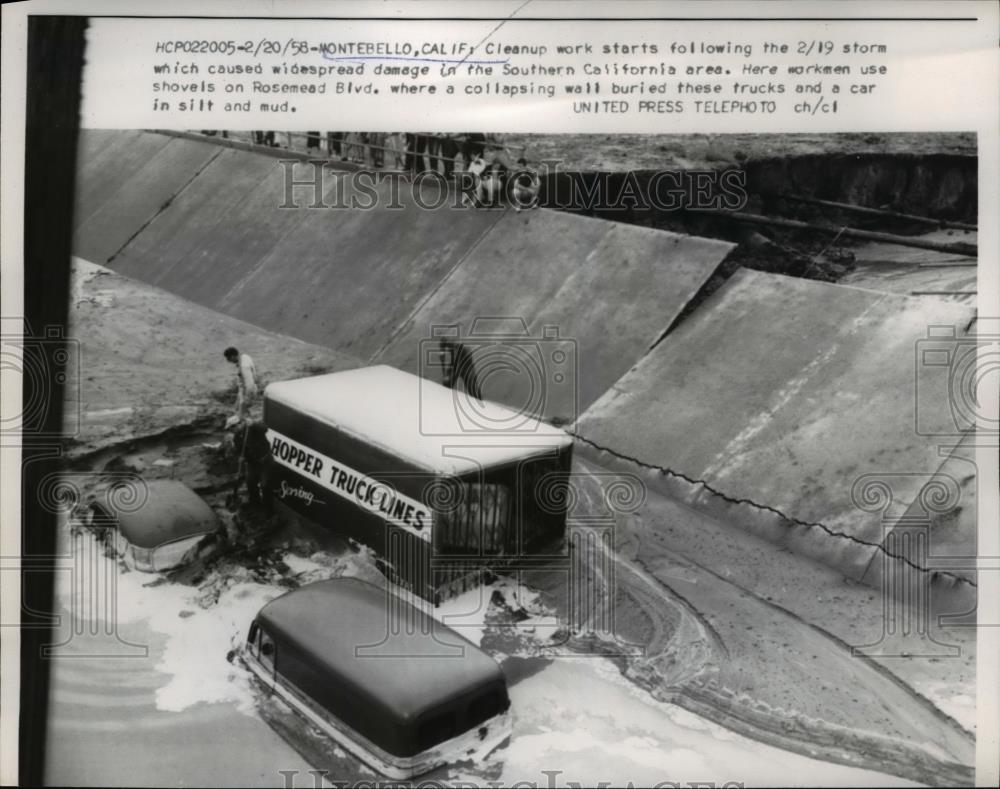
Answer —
766 508
165 205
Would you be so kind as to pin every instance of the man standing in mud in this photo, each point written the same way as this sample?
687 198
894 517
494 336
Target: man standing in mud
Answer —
246 380
257 465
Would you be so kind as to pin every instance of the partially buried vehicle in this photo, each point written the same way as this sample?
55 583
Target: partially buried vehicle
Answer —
167 529
388 459
399 690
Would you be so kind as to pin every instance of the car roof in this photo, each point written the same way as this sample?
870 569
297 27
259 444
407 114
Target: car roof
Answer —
341 627
152 513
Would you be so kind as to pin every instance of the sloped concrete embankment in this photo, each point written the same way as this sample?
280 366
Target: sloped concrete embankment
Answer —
216 225
792 408
773 373
228 229
599 292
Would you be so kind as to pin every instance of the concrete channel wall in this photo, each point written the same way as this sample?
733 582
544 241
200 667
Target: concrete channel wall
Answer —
804 411
769 403
215 225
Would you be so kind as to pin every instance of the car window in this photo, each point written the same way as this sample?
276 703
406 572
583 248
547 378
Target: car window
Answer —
253 640
268 651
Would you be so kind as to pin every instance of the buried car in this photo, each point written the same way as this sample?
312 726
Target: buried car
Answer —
399 690
167 529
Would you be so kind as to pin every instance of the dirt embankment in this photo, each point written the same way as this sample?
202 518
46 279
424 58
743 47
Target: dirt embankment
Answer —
150 362
619 152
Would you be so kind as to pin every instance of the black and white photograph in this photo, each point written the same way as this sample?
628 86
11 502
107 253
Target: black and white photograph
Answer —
496 458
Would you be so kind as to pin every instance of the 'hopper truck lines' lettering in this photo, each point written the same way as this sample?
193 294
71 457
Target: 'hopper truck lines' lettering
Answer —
377 497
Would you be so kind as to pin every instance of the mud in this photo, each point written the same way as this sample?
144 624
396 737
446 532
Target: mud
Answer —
676 636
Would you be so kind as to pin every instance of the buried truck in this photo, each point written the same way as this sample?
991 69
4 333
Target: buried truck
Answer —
440 485
386 681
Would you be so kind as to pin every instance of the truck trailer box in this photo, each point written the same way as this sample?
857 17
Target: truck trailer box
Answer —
416 471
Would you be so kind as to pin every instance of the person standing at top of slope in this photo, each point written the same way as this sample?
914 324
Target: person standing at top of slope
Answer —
246 380
457 365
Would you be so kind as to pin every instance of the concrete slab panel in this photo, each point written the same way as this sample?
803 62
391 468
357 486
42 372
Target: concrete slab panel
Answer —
106 159
168 252
238 243
372 282
609 290
792 394
153 183
225 242
91 142
346 278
